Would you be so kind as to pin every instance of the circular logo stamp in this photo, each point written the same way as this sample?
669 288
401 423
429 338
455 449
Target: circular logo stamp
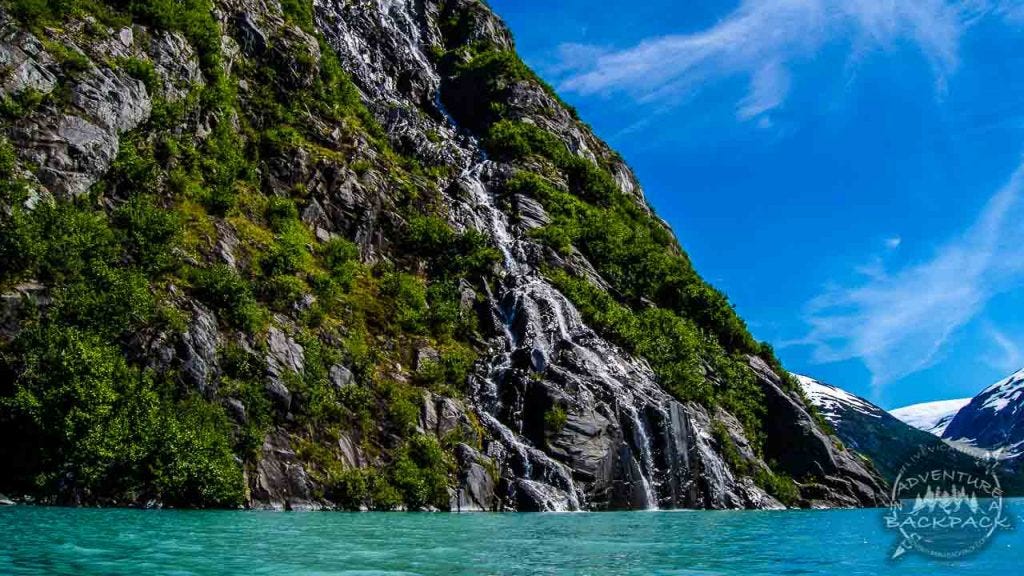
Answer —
945 504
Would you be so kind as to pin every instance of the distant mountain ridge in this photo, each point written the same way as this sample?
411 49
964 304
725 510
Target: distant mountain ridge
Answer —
993 420
870 430
975 426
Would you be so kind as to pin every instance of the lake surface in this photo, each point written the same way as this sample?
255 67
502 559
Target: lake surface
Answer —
121 542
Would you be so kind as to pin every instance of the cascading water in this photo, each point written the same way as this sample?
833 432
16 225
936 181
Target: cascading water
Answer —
551 321
534 320
643 443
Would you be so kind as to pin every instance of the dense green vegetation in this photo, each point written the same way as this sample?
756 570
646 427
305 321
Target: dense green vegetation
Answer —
120 265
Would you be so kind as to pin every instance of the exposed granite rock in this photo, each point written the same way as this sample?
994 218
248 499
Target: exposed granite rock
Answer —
281 482
475 491
73 149
425 356
441 416
177 64
24 62
351 453
14 304
340 376
198 351
284 355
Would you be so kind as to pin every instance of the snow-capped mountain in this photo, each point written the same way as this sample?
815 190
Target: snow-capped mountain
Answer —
993 420
932 417
887 441
835 403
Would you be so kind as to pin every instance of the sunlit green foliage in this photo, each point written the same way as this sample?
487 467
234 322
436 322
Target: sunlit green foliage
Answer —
97 426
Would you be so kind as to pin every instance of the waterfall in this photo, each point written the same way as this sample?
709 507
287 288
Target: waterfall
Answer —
530 314
551 320
643 444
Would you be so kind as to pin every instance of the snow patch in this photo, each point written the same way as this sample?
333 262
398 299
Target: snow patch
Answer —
1004 393
932 417
832 401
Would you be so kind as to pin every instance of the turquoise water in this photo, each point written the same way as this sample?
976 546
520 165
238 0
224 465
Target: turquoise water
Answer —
122 542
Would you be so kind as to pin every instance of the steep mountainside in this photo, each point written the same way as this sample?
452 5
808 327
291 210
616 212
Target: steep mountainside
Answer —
932 417
307 254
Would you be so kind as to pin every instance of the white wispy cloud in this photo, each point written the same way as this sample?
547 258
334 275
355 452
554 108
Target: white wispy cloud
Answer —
898 321
762 40
1009 356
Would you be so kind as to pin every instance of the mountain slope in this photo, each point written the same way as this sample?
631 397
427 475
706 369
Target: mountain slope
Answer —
355 255
887 441
932 417
994 419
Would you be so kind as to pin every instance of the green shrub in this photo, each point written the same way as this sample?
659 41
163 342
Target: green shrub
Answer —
282 292
281 213
135 169
143 71
451 255
72 62
74 241
242 379
420 473
407 301
341 258
228 293
778 485
65 399
114 302
402 403
13 189
447 375
290 252
150 234
299 12
21 104
196 465
447 318
555 419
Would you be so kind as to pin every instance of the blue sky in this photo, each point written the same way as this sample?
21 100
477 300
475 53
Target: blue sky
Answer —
849 172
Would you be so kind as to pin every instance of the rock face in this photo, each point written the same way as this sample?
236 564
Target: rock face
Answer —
74 147
553 415
798 444
281 481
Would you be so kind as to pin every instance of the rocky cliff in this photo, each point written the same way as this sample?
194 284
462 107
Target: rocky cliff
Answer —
338 254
